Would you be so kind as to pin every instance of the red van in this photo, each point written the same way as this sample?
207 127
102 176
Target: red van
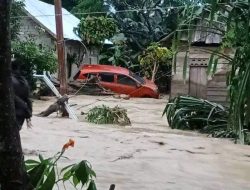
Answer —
119 80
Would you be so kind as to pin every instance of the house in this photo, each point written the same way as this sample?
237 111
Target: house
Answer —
198 83
39 25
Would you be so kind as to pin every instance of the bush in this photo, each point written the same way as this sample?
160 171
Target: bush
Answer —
33 59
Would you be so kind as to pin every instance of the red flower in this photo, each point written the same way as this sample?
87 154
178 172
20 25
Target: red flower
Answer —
71 143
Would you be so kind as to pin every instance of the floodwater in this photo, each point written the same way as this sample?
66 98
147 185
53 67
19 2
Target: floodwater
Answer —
145 156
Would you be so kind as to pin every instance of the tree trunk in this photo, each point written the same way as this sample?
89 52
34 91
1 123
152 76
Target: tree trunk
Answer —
154 71
11 157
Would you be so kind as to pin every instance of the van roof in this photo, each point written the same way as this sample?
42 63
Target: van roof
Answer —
104 68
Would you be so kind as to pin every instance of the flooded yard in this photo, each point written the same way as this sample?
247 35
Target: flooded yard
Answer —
146 155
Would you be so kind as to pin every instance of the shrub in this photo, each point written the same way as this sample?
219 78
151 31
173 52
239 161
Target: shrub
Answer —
33 58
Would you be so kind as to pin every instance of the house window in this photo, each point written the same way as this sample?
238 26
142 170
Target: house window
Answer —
106 77
123 79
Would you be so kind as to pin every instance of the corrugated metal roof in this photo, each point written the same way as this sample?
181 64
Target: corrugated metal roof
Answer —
44 13
204 34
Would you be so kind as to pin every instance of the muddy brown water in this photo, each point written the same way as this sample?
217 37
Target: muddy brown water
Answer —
145 156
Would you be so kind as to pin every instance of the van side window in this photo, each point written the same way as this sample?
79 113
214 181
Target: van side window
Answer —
123 79
106 77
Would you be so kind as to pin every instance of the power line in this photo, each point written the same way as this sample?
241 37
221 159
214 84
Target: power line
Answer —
103 12
121 11
124 11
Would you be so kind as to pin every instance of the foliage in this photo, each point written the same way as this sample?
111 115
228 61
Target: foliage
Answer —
150 23
88 6
230 21
153 57
118 54
44 174
191 113
94 30
67 4
15 21
33 59
106 115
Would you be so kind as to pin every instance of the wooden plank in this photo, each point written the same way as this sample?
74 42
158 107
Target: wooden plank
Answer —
193 81
203 82
217 98
216 84
217 93
216 89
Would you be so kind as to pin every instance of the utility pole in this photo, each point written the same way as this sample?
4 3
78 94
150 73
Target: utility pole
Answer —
60 47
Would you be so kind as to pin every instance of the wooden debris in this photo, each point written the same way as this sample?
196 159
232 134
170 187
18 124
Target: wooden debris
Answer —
58 106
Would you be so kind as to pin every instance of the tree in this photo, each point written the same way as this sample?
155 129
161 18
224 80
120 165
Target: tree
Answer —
149 21
94 30
153 57
11 156
118 54
89 6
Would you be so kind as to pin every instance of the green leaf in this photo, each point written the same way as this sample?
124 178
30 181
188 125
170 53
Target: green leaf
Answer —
210 63
75 181
81 173
92 185
40 157
31 162
50 181
37 173
90 170
67 175
215 65
67 167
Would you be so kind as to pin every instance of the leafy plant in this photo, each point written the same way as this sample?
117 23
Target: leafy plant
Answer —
33 59
153 57
44 174
105 115
191 113
94 30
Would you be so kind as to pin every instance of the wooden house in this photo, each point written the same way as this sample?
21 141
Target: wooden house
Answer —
198 83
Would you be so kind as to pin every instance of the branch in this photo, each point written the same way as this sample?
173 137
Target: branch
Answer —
167 37
134 32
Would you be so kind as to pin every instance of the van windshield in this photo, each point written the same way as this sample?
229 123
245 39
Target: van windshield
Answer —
136 77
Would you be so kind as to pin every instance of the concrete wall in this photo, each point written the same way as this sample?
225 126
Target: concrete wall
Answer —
30 30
